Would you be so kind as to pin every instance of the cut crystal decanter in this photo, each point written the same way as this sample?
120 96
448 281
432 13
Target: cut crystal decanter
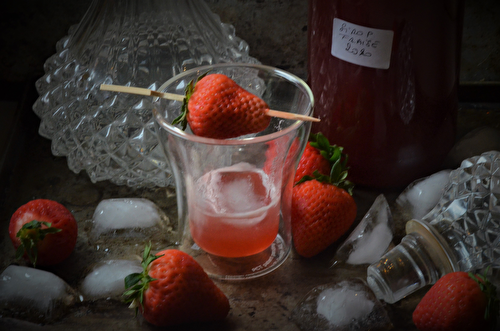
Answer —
139 43
461 233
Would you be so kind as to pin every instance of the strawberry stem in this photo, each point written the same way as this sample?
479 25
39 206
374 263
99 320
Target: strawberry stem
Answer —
30 234
137 283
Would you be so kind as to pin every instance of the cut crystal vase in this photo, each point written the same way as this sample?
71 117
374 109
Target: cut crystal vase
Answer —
140 43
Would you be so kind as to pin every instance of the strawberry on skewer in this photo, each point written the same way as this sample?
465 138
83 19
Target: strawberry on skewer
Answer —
216 104
216 107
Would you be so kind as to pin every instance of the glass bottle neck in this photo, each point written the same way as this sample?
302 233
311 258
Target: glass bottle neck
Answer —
419 260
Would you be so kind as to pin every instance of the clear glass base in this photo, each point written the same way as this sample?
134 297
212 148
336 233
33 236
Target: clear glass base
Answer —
240 268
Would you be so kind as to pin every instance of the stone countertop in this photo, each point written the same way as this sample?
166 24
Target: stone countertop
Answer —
261 304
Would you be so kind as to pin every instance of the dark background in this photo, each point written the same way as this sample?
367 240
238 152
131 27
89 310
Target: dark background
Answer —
276 31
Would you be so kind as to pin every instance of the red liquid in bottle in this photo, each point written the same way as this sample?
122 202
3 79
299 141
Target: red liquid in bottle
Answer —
397 123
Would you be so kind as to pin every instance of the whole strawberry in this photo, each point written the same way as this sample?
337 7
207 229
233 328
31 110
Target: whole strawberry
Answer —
43 231
174 289
323 208
217 107
318 155
458 301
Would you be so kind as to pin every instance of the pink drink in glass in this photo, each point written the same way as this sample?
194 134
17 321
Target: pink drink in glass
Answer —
235 212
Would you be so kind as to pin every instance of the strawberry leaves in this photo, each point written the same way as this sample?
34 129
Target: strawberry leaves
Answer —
30 234
490 291
137 283
188 92
338 161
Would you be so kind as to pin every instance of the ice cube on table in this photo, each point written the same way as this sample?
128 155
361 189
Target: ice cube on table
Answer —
371 238
133 216
418 198
344 306
34 295
107 279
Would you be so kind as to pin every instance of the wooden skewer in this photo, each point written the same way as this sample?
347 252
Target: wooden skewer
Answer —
178 97
141 91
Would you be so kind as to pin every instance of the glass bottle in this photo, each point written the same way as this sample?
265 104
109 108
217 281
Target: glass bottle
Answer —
385 75
140 43
461 233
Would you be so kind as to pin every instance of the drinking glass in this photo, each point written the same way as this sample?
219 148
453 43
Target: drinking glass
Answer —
234 195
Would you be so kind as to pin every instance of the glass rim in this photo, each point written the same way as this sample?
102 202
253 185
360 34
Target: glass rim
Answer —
160 120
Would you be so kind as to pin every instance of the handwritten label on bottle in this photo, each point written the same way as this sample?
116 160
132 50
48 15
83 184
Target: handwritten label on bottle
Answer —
361 45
